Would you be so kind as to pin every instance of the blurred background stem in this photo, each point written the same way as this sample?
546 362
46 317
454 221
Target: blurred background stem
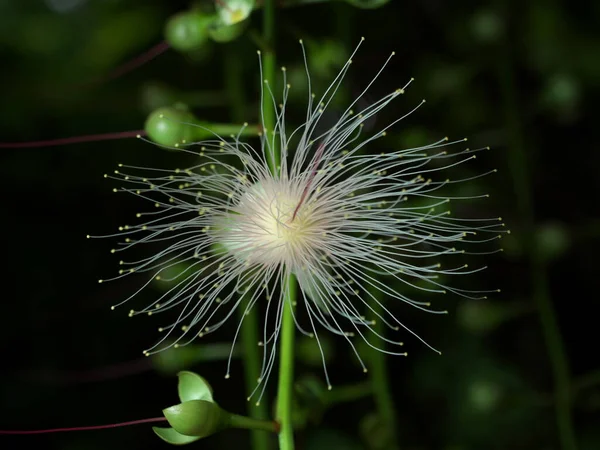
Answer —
519 170
379 375
234 83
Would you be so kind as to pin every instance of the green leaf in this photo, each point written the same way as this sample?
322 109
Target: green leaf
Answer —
171 436
193 387
197 418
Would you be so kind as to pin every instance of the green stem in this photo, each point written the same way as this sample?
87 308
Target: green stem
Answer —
379 377
226 129
250 326
234 81
557 354
518 166
288 326
249 423
286 369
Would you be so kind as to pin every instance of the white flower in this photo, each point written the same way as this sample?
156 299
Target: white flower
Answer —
346 222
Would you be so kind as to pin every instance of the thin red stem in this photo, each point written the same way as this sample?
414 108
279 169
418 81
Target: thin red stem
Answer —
90 428
132 64
74 139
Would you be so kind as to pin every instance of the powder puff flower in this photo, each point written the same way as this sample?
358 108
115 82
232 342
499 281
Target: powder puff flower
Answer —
351 226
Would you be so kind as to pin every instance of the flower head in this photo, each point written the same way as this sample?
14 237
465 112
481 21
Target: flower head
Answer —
351 225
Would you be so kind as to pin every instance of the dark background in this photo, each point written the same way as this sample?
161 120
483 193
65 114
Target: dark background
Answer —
521 77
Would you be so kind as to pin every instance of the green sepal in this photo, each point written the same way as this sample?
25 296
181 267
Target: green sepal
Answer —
220 32
367 4
173 437
188 31
199 418
192 386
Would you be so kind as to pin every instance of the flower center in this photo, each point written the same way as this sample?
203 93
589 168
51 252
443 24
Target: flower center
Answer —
264 226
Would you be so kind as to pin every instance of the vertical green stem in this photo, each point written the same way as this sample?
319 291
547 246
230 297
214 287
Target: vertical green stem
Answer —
518 165
557 354
288 326
234 83
286 369
380 381
250 326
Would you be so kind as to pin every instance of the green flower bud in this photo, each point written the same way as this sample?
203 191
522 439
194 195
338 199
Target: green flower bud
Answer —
188 30
197 415
198 418
170 126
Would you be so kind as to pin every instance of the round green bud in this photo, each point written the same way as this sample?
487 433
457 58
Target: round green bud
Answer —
197 418
188 30
170 126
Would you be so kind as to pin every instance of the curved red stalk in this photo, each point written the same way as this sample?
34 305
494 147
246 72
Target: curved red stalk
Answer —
131 65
